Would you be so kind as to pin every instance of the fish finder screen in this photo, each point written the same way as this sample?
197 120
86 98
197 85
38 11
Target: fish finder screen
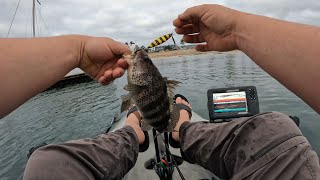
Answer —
231 102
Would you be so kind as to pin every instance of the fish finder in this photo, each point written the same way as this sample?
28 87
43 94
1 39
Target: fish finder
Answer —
227 103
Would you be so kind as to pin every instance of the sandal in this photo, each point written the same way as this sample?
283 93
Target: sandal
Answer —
145 145
173 143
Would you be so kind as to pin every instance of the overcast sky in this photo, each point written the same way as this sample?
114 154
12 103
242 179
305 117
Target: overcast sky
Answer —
140 21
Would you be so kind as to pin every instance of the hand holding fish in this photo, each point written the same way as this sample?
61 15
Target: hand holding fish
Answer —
212 24
101 59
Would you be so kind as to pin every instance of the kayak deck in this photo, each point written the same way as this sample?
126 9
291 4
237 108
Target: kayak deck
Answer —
189 171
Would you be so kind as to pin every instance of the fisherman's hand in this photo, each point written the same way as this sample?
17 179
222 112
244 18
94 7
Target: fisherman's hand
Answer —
213 25
101 59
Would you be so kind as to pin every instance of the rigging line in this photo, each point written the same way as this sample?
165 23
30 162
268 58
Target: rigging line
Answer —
25 29
13 18
38 26
43 21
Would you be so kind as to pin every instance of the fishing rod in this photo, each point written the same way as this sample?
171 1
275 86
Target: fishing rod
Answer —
112 123
164 162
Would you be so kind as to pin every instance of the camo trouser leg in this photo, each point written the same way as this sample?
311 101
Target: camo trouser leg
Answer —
267 146
108 156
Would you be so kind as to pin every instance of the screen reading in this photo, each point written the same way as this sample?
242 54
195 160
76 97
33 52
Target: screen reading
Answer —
232 102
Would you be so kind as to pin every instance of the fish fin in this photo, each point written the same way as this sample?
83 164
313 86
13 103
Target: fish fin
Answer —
126 102
132 88
171 85
145 126
174 118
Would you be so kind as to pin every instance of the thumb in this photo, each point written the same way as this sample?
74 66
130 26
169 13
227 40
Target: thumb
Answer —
118 48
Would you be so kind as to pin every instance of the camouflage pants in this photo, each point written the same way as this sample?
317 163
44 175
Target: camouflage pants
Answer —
266 146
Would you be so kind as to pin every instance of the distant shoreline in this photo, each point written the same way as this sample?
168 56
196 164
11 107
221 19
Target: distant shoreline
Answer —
159 55
181 52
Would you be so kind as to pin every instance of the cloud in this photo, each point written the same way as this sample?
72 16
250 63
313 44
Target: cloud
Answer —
306 12
140 21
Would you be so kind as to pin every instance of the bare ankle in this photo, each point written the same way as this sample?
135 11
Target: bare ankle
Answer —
184 116
134 122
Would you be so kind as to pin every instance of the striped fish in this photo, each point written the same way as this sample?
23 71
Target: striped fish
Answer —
150 92
160 40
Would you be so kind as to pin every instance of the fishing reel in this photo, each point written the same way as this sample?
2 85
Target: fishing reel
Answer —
164 162
164 169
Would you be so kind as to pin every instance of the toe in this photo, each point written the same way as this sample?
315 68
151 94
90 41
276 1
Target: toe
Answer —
178 100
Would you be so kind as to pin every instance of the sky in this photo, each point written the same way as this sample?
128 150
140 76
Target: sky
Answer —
140 21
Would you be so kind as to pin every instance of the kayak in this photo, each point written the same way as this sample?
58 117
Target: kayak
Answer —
139 171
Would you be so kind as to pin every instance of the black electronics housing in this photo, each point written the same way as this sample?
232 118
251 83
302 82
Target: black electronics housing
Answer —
227 103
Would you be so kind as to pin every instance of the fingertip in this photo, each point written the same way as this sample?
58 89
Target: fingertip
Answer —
182 16
108 73
127 50
180 23
186 16
176 23
101 79
179 30
186 39
106 78
118 72
202 47
175 29
119 48
122 63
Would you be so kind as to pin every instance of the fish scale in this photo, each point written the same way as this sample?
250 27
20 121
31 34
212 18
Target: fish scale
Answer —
154 109
149 91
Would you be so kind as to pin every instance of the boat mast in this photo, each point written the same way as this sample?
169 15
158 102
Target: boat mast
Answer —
33 18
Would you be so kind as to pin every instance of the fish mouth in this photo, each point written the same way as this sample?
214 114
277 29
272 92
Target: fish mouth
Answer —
135 49
141 54
135 53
